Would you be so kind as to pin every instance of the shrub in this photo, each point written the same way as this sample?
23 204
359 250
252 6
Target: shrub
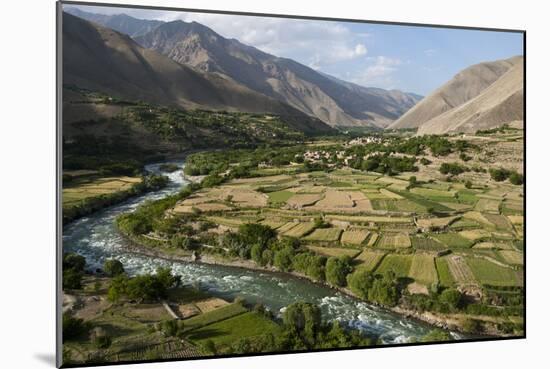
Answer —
73 327
516 179
337 270
113 267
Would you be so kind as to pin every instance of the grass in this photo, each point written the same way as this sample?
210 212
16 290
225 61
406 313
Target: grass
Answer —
214 316
452 240
423 269
325 234
488 273
444 274
230 330
399 264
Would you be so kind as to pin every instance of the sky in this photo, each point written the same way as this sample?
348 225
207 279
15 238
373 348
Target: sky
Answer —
408 58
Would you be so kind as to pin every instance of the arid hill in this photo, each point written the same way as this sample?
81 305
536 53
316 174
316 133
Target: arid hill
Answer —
100 59
462 88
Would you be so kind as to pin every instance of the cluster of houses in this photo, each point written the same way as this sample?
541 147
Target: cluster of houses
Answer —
364 140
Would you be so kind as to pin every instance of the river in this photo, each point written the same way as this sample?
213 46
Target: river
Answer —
97 238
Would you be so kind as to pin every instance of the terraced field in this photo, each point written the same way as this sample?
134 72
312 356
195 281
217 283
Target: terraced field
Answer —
399 264
423 269
369 259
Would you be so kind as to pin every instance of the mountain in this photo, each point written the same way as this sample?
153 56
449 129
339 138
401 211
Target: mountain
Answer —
101 59
119 22
461 89
336 102
498 104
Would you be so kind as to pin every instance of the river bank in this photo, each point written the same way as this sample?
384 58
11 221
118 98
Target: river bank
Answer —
446 322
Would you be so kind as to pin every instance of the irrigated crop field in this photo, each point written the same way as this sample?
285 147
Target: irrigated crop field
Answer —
441 229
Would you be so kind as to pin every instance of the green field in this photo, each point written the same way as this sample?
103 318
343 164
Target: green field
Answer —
444 274
488 273
423 269
228 331
325 234
214 316
279 196
452 240
400 264
369 259
426 243
334 251
85 188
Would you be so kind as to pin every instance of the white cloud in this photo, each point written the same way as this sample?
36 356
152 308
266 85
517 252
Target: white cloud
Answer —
430 52
314 43
379 72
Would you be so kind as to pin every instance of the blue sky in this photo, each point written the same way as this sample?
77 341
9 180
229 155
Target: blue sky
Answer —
413 59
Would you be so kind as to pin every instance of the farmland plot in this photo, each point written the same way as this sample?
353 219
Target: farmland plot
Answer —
370 219
334 251
423 269
475 234
428 192
489 273
287 227
300 230
435 223
460 270
488 206
325 234
512 257
394 241
354 236
369 259
298 201
399 264
273 223
500 221
372 240
452 239
426 243
443 272
334 200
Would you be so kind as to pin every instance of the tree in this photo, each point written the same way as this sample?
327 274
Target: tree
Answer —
468 184
73 327
74 261
384 290
117 288
113 267
471 325
436 335
516 178
72 279
255 233
499 174
412 181
360 282
451 298
337 270
316 268
283 259
256 253
305 319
